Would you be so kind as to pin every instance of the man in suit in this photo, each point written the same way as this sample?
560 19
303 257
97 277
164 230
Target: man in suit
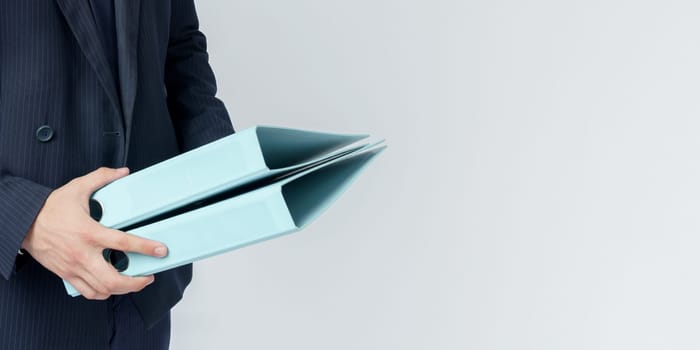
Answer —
90 90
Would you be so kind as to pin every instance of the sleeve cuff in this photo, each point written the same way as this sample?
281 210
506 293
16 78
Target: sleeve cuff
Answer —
20 202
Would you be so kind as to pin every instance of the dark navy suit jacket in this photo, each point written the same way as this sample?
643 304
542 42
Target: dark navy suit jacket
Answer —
54 73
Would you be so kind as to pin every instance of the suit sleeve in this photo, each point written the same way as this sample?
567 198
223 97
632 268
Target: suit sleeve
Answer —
20 202
198 116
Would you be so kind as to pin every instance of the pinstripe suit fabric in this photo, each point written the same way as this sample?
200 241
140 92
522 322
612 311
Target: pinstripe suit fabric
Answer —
53 72
129 333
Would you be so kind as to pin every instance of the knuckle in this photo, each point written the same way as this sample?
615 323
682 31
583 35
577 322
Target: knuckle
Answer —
67 274
85 232
101 290
104 172
111 285
71 259
79 257
89 238
122 242
91 233
89 294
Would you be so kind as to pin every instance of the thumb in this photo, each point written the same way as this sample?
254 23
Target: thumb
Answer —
95 180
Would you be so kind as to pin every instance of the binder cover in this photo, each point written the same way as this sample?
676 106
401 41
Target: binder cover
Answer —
204 205
231 161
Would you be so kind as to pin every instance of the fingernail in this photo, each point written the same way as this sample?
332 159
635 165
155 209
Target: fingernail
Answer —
152 280
161 251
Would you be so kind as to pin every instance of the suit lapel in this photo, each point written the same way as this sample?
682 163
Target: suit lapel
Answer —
82 24
127 21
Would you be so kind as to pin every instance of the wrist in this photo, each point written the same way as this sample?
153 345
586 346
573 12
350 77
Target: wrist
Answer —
24 246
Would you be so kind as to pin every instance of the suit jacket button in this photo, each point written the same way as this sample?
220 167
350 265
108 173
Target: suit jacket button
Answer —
44 133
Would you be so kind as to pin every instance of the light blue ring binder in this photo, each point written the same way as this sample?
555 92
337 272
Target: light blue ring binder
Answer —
286 178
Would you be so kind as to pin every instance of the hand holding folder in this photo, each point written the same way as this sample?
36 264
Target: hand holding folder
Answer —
245 188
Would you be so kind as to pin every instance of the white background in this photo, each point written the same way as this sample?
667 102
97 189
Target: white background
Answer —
541 188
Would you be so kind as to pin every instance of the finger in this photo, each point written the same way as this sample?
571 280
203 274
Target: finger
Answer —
95 180
115 282
94 280
84 288
125 284
134 284
126 242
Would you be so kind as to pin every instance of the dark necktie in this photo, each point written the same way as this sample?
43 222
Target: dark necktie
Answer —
103 10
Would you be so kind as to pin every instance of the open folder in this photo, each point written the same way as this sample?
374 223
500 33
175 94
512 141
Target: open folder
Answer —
245 188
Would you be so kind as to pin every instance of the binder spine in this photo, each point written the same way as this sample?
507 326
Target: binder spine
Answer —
234 223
